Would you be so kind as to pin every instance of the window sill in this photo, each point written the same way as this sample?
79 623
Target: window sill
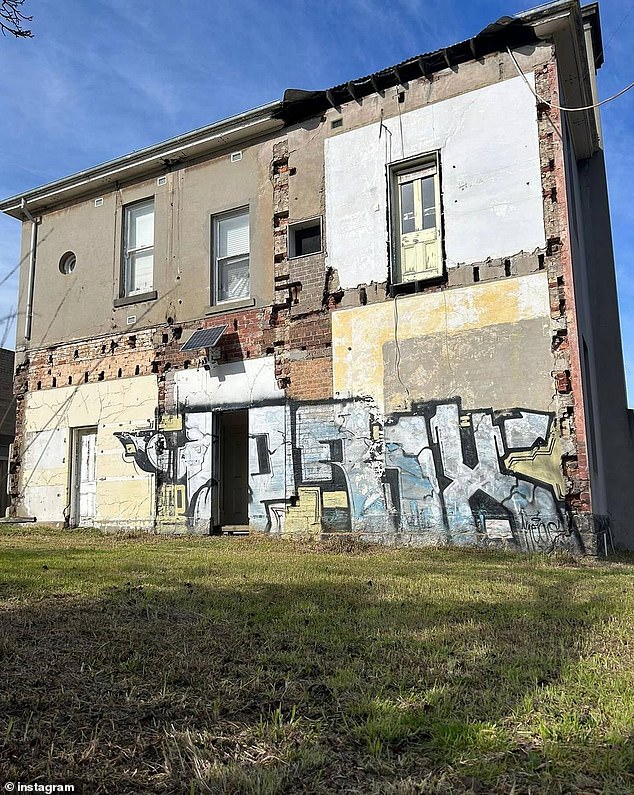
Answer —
228 306
138 298
416 285
303 256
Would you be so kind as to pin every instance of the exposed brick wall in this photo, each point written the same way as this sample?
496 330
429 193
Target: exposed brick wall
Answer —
20 388
311 379
100 359
299 331
568 393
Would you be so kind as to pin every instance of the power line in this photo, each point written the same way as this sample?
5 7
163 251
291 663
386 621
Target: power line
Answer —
617 28
559 107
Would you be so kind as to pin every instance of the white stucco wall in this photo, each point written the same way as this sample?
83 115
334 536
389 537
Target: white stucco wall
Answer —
235 384
491 185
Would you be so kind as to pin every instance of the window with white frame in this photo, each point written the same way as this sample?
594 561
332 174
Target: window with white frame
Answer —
230 276
138 248
416 228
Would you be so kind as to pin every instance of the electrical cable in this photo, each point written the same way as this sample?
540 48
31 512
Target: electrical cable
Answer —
559 107
615 31
398 349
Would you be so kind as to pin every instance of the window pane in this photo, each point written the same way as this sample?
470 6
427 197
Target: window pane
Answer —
307 240
233 279
140 225
140 268
408 223
429 203
233 235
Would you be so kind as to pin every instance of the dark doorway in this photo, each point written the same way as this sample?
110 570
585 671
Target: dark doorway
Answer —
233 470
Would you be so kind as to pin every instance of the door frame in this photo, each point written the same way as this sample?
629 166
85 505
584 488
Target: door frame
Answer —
74 472
218 431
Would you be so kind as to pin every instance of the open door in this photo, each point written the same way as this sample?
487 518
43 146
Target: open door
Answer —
83 477
232 429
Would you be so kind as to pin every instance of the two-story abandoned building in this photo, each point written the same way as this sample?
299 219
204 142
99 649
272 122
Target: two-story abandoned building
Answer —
387 308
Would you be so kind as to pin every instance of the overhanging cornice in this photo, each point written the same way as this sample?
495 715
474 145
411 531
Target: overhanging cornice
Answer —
146 162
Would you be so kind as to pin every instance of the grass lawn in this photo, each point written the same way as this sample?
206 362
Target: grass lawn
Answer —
213 665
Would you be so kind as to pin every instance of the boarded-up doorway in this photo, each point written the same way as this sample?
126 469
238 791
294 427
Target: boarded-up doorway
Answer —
83 477
233 468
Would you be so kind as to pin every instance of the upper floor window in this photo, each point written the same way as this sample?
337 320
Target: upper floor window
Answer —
230 275
304 238
138 247
417 239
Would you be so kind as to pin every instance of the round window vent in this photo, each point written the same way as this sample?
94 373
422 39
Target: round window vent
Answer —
67 263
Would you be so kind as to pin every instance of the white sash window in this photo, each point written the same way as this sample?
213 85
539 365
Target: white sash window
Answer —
138 248
231 256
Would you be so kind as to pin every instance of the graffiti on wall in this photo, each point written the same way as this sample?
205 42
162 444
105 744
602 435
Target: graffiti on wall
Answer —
180 455
436 474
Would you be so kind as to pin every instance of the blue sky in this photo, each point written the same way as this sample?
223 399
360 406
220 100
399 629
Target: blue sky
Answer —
102 78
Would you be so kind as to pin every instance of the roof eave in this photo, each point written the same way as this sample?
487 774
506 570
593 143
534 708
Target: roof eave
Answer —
146 162
564 26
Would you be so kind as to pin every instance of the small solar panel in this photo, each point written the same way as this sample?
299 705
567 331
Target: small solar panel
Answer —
204 338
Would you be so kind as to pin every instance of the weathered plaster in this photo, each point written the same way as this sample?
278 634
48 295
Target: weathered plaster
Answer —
240 383
492 196
124 497
483 366
361 335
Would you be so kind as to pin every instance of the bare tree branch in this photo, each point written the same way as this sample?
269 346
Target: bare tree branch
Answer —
12 19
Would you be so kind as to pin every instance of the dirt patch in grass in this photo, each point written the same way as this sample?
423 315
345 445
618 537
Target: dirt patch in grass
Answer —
135 665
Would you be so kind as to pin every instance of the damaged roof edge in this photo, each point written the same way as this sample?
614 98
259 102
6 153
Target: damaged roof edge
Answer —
510 32
157 157
298 105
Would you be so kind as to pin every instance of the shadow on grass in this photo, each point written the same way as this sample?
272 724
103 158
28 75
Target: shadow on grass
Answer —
306 687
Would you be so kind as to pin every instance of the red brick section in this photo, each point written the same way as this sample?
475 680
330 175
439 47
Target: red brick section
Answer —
311 377
300 334
103 358
558 261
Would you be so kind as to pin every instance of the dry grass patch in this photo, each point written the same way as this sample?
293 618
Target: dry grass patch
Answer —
142 664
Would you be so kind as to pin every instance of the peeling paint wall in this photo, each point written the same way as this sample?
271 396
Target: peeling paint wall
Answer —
124 495
477 342
491 186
